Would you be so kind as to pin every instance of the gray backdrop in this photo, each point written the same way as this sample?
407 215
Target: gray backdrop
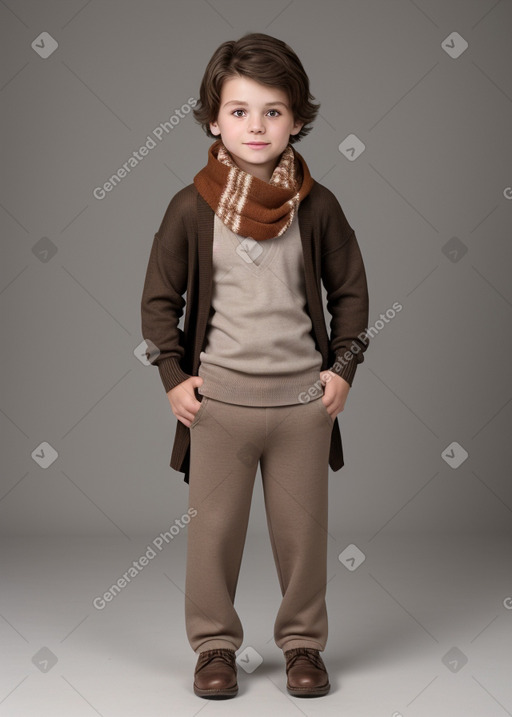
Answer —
430 199
419 591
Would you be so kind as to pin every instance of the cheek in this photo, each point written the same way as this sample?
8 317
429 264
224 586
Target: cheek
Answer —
231 124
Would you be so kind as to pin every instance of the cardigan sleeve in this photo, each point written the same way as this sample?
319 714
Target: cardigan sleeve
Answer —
162 297
344 278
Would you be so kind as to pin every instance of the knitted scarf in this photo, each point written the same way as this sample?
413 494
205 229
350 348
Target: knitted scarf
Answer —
248 205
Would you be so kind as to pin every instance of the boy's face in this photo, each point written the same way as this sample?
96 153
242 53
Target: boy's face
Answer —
250 112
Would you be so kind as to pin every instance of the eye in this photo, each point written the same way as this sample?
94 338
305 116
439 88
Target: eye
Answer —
241 110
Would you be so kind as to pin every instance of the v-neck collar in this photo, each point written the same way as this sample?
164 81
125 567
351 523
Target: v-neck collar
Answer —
237 242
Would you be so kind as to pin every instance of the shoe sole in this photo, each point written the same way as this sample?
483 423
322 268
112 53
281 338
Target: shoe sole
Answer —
309 692
216 694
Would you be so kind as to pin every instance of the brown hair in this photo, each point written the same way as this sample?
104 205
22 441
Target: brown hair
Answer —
266 60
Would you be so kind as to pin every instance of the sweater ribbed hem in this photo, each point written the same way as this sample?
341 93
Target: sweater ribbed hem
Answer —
171 373
345 369
259 390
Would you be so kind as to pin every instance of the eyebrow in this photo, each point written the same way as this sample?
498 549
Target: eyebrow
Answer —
240 102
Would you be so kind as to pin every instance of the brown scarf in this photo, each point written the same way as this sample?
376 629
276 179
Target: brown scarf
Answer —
249 206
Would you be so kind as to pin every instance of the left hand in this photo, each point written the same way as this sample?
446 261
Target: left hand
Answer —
335 392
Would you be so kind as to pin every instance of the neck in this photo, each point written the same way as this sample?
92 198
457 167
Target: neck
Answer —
260 171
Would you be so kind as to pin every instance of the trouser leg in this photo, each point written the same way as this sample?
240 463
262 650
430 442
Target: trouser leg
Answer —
226 441
295 470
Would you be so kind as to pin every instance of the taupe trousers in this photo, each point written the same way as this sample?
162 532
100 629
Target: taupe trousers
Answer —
292 444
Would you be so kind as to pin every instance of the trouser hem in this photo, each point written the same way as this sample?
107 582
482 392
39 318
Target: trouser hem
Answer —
215 645
291 644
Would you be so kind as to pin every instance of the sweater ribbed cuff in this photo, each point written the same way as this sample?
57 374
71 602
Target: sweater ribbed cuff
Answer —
171 373
345 369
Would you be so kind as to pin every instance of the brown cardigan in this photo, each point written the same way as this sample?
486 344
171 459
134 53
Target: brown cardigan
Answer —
181 260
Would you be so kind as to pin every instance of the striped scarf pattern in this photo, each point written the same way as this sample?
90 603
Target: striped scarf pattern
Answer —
249 206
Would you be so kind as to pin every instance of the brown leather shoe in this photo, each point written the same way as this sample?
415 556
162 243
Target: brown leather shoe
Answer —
215 675
306 673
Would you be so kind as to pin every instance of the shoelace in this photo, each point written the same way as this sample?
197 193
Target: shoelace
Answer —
225 655
300 652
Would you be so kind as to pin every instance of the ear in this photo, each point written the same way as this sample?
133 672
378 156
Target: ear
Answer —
297 127
214 128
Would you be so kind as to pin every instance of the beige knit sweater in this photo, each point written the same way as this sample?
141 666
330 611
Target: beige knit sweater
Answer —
260 350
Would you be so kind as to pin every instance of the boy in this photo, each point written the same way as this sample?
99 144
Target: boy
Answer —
249 242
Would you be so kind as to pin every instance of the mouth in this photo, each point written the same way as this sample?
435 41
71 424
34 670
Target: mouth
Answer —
257 144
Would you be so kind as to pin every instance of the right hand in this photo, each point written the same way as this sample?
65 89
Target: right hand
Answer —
183 402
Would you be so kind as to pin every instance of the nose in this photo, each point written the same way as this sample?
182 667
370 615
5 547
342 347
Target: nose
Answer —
255 124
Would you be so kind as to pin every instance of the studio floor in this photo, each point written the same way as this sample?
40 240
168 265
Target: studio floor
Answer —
421 626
